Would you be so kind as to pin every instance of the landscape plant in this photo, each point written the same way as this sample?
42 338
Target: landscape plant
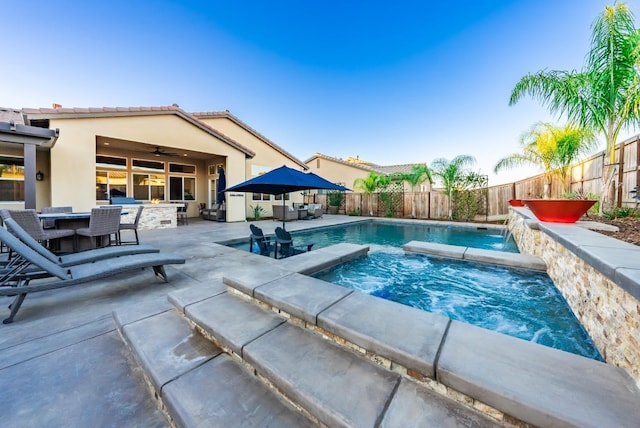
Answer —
258 211
605 95
371 184
454 175
418 175
552 149
466 199
335 200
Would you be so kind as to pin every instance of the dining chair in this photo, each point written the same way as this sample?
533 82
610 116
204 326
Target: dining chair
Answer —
51 224
130 226
29 221
104 222
182 214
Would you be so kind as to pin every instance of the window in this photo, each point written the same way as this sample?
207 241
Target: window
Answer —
147 165
110 184
111 162
318 163
182 169
261 197
182 188
11 178
147 187
279 197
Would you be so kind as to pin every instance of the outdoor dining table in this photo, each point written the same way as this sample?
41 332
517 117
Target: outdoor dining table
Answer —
73 221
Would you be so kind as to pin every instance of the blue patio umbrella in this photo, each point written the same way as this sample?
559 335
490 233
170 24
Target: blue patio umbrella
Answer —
222 183
284 180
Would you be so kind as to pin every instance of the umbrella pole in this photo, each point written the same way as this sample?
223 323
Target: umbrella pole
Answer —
284 213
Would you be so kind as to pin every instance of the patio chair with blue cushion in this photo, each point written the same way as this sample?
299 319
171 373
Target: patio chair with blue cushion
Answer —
285 242
265 247
60 277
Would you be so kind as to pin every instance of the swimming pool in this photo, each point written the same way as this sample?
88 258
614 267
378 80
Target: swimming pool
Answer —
519 303
397 234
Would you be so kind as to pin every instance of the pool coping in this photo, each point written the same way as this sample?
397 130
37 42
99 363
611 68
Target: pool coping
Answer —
531 382
515 260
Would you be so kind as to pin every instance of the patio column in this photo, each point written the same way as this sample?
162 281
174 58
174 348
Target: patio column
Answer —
29 151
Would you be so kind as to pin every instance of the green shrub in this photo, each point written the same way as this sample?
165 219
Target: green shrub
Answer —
621 213
335 198
258 211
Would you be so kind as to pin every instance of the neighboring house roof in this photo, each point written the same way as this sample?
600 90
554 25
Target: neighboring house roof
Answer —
227 115
368 166
402 168
362 166
85 113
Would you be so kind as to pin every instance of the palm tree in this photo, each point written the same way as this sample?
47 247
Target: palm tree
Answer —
370 184
418 175
605 96
453 174
550 148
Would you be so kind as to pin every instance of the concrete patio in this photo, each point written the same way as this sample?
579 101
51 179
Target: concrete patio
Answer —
65 364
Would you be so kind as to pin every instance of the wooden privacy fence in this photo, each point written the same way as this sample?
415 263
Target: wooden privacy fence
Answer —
584 178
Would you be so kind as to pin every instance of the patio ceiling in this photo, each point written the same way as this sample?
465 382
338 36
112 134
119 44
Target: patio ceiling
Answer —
144 150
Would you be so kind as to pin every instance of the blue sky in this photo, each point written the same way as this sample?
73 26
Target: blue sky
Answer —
391 82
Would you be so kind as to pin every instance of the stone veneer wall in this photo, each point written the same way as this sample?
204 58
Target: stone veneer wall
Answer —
610 315
154 216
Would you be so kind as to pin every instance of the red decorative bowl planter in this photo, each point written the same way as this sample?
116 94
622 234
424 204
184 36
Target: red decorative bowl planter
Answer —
516 202
559 210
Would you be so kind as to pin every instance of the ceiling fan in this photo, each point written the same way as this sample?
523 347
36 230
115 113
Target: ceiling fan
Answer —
159 152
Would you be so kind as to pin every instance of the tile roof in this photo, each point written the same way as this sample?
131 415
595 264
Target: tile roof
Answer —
11 115
227 115
403 168
93 112
367 166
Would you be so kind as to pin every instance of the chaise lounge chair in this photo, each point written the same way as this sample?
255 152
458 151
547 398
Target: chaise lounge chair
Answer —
284 240
265 246
60 277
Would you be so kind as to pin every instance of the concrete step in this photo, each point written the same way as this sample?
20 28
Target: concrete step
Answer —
334 385
498 373
196 383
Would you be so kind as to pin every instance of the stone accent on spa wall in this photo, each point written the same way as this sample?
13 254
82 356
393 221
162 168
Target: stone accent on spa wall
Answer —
609 313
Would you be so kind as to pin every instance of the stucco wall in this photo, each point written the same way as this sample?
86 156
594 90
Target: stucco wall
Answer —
337 172
73 157
266 158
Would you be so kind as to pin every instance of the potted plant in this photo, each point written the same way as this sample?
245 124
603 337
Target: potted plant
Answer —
335 201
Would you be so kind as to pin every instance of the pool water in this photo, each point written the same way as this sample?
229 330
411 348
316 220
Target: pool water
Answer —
396 235
520 303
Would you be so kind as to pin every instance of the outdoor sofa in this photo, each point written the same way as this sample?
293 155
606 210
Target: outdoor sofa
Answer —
284 213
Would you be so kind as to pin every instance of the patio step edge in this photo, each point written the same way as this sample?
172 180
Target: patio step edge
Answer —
195 383
522 402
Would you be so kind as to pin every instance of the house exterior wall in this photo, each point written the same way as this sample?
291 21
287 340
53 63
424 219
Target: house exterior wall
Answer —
73 163
266 159
336 172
